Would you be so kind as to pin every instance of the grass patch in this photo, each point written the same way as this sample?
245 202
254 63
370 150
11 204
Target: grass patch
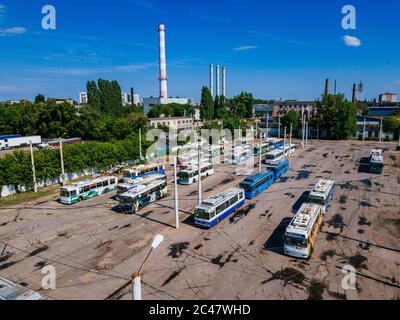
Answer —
22 197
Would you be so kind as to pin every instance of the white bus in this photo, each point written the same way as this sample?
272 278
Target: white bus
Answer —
142 195
141 171
376 161
275 156
322 193
191 174
126 186
87 189
238 155
302 231
213 210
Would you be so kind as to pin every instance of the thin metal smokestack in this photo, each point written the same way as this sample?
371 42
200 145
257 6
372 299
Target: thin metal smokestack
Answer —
353 99
326 87
163 63
224 81
212 79
217 82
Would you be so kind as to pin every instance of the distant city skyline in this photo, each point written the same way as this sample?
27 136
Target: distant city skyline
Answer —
272 49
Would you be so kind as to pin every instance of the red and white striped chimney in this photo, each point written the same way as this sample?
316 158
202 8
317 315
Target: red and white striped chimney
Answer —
163 63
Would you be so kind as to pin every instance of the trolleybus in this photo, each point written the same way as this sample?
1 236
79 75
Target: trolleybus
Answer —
376 161
191 174
141 171
142 195
279 168
302 231
87 189
124 187
257 183
322 193
277 155
213 210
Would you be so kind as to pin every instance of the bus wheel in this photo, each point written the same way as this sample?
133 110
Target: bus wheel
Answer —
80 199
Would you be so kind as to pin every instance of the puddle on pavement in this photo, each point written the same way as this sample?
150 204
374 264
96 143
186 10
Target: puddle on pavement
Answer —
287 275
328 253
177 249
358 261
316 290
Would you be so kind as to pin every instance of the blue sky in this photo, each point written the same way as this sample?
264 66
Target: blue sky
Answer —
271 48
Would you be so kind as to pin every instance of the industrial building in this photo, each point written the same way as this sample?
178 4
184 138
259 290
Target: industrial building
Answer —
388 97
174 123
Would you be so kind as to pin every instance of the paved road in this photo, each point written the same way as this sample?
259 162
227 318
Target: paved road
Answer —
95 249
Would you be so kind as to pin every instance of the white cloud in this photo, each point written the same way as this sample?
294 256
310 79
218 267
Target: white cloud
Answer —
352 41
12 31
244 48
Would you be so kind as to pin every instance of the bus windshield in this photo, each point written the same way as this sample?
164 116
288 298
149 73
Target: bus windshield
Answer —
295 242
184 175
201 214
272 156
127 174
245 187
64 193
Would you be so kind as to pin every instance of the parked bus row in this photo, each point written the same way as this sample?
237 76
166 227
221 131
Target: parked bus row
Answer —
300 235
218 207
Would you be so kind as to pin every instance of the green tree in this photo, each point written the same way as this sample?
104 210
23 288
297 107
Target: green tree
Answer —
40 99
338 117
206 105
292 117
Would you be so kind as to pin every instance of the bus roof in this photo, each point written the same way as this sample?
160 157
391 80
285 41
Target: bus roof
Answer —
87 181
194 167
144 166
216 200
13 291
142 180
322 189
304 219
377 156
257 176
140 188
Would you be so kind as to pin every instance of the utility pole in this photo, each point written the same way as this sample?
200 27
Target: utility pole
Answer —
33 168
176 196
267 125
62 162
380 130
260 155
140 144
306 134
279 127
290 140
303 129
365 123
284 144
199 176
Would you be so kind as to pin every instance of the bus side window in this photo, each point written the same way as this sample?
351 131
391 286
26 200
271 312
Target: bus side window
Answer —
81 190
112 181
105 183
99 184
73 193
86 189
93 186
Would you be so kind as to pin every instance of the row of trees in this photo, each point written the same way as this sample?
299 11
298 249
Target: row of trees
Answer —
16 169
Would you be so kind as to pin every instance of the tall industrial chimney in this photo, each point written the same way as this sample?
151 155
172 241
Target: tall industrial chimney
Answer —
217 82
353 99
224 81
212 79
326 87
163 63
132 97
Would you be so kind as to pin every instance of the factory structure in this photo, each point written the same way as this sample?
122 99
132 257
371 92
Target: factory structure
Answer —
163 97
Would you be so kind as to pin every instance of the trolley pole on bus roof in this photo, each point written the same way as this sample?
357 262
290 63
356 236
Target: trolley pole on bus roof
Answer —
176 195
62 162
35 189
